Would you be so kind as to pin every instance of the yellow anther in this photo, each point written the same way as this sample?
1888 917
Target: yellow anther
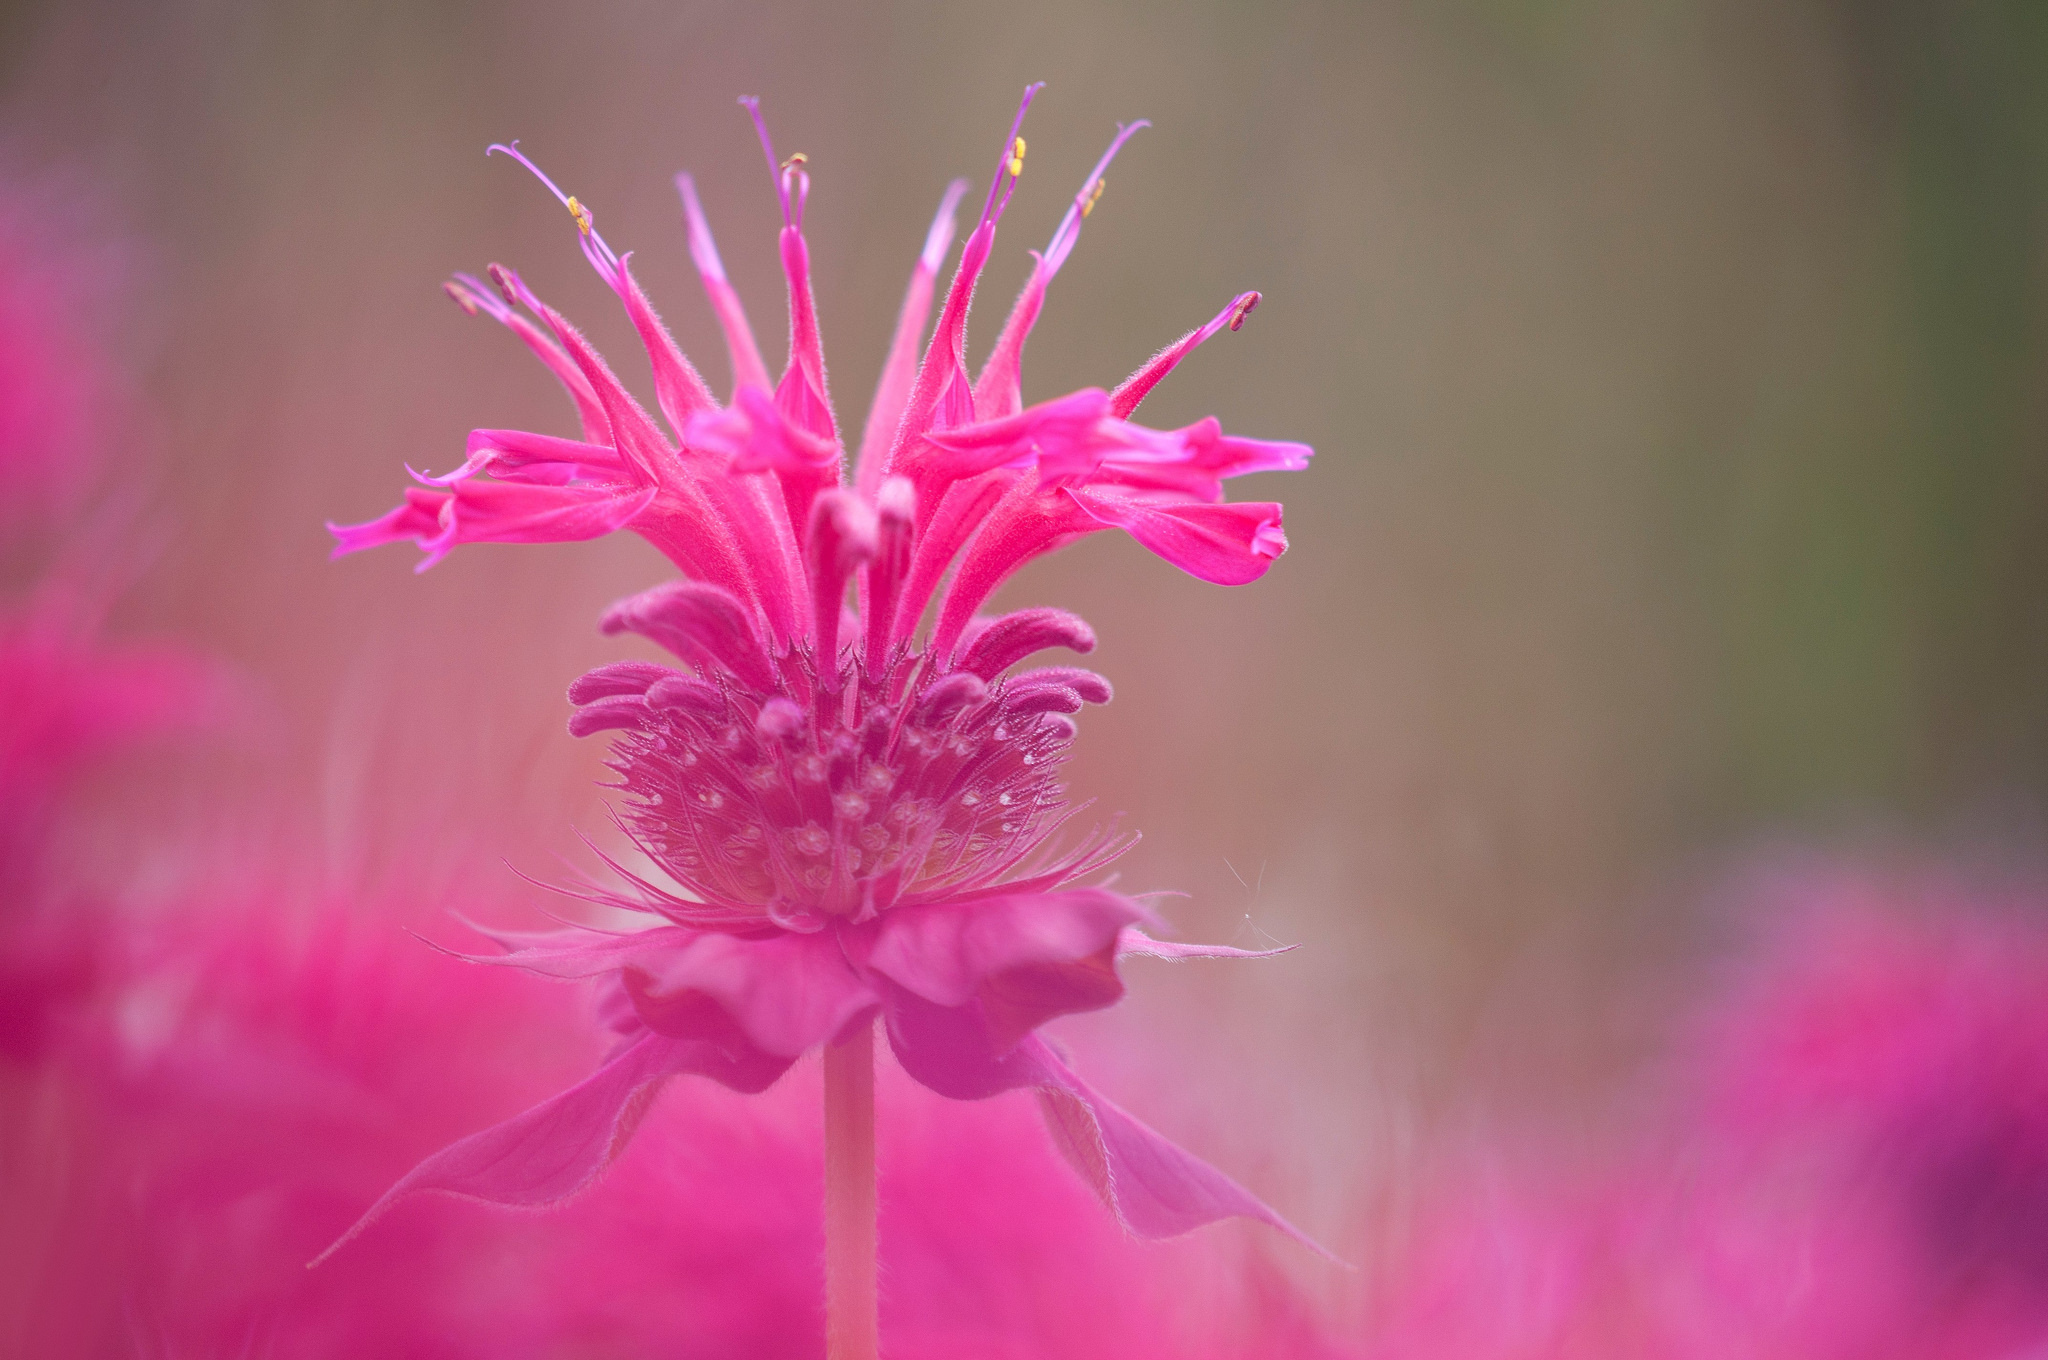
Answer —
1017 159
796 158
1094 197
581 214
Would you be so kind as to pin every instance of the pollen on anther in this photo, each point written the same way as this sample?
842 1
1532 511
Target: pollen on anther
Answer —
796 158
581 214
1017 159
1094 197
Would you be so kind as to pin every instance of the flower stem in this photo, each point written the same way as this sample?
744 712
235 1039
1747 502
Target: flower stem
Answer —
851 1326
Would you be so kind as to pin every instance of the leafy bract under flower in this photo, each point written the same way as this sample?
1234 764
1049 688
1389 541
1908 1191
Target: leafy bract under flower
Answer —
857 822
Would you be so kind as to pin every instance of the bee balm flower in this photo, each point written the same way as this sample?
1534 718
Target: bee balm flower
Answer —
858 824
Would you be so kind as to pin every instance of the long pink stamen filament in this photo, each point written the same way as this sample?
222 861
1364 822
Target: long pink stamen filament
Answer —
605 260
1069 229
1007 169
783 172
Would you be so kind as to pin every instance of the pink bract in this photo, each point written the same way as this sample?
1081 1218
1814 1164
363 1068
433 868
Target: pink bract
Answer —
255 1064
858 820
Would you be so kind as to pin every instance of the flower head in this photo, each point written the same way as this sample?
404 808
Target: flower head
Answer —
858 820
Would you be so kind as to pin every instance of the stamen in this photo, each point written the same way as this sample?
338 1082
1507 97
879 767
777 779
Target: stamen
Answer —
781 170
796 158
601 256
1012 163
1069 229
464 298
1132 390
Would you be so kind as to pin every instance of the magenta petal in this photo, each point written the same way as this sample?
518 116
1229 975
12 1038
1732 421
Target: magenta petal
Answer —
561 1145
785 994
1067 428
1229 545
759 437
417 517
1021 959
522 512
1155 1188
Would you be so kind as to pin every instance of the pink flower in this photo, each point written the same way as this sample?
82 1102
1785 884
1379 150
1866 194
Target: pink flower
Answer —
858 824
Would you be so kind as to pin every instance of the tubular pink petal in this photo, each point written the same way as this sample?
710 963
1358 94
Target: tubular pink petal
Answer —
942 393
561 1145
678 387
963 507
622 712
999 389
803 393
473 297
895 520
1092 688
842 537
697 620
747 367
1025 525
1005 641
1228 545
893 390
1023 437
501 452
620 677
1038 699
785 994
417 517
948 694
1132 390
686 694
632 431
520 512
758 437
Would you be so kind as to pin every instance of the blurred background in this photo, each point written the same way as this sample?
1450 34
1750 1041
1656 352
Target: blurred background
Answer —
1674 370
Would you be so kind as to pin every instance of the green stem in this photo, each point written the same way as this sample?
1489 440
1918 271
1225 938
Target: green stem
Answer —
851 1327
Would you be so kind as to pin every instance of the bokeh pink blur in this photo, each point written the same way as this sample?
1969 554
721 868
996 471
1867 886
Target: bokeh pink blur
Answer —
1644 738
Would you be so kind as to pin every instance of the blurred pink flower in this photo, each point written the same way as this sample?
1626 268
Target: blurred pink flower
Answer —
858 825
1856 1163
68 697
1877 1089
264 1065
58 398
